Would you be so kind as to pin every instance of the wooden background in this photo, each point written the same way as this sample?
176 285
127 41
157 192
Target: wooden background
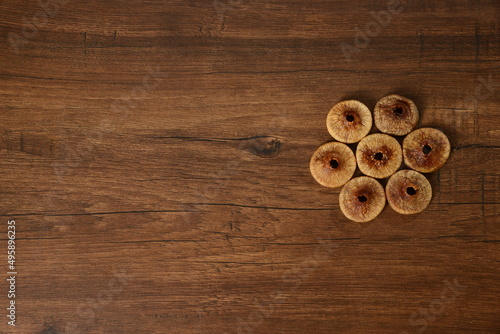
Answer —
154 155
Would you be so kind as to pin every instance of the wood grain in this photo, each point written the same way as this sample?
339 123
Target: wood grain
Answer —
155 159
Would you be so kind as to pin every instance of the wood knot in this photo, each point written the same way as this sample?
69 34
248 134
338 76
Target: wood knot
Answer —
263 146
29 143
50 330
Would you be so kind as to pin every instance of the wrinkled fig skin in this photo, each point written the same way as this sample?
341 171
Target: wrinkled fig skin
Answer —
379 155
408 192
330 174
395 115
373 196
349 121
415 144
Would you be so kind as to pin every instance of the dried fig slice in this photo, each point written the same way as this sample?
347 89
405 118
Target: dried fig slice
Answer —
408 192
349 121
426 150
379 155
362 199
332 164
395 115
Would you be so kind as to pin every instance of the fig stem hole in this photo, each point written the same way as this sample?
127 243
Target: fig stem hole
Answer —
378 156
397 110
426 149
362 198
334 163
349 118
411 191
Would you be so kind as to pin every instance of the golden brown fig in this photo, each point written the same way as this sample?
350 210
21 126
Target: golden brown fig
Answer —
395 115
379 155
362 199
349 121
408 192
332 164
426 150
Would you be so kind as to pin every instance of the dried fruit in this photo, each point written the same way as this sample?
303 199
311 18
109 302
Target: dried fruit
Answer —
362 199
426 150
379 155
395 115
408 192
349 121
332 164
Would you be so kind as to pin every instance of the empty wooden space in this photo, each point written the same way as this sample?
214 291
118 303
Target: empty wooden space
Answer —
155 158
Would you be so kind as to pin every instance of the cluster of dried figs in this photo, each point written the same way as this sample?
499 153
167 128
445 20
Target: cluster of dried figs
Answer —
379 156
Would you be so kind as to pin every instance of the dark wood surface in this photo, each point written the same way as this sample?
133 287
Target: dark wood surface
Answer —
155 160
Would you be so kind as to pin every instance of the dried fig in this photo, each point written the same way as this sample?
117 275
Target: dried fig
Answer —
349 121
379 155
408 192
426 150
362 199
395 115
332 164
